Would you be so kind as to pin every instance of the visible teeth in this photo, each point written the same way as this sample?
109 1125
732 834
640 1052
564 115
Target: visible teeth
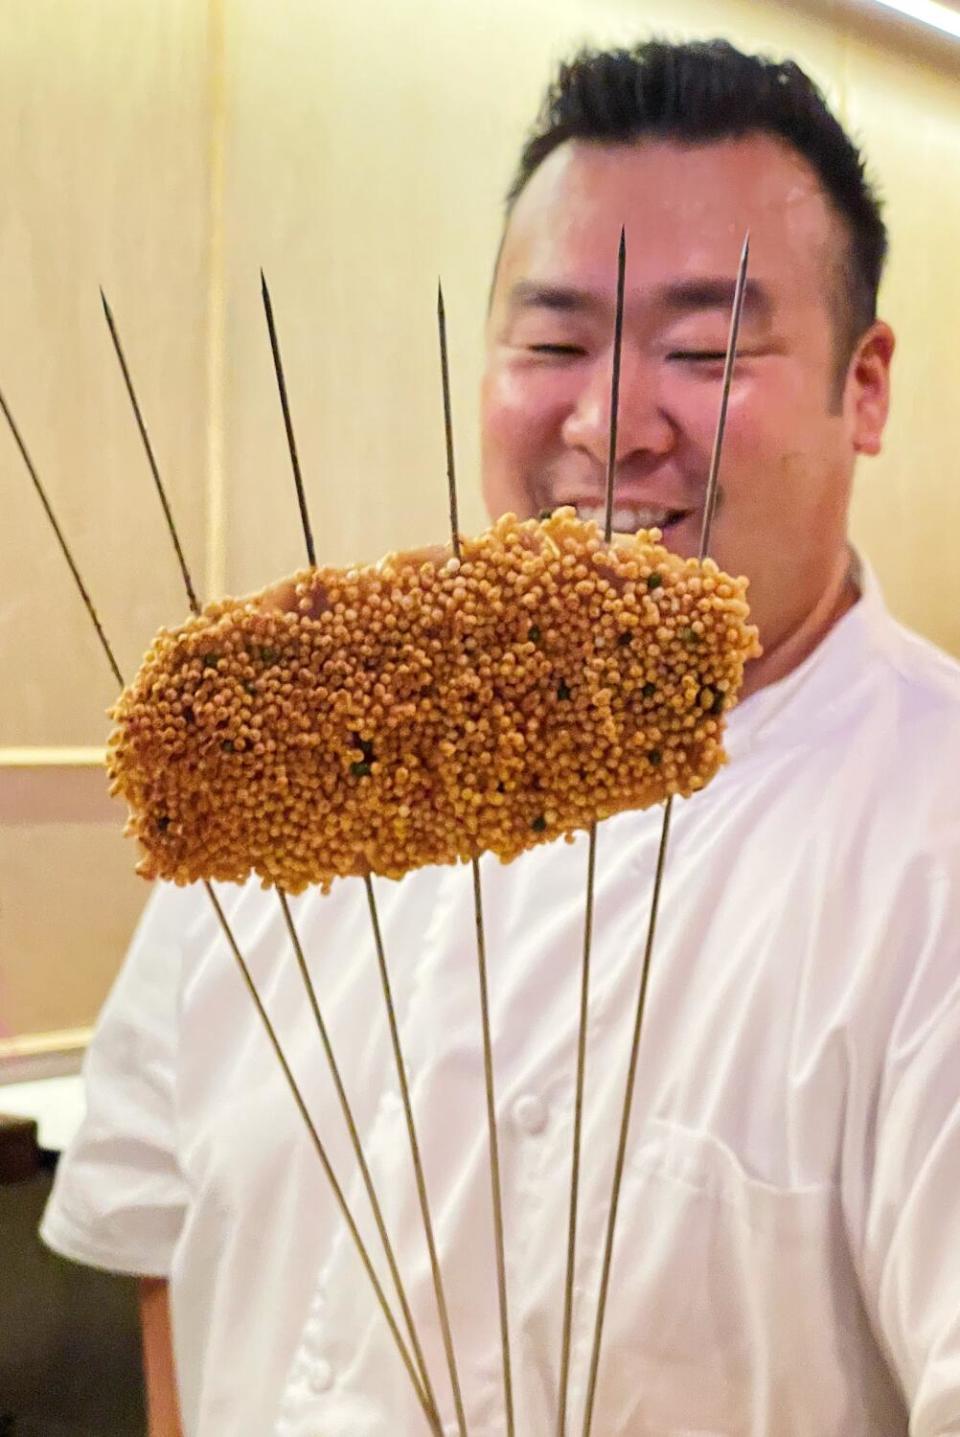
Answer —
626 518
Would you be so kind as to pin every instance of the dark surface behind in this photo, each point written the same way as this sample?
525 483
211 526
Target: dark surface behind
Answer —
69 1336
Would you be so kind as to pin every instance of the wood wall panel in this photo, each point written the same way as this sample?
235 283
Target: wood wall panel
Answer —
104 152
907 509
168 149
68 898
104 155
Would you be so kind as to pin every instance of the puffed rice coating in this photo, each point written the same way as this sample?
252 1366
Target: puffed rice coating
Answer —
428 709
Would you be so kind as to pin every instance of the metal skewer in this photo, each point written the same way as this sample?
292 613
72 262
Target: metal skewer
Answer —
428 1407
395 1042
615 386
419 1175
489 1090
423 1392
591 876
88 602
448 423
710 499
288 422
247 977
361 1159
282 897
148 447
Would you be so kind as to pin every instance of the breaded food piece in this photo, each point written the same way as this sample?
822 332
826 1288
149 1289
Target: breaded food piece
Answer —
428 709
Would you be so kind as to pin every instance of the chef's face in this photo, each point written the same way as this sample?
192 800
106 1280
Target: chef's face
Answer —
797 417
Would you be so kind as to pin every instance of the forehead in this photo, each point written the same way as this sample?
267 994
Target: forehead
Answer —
686 209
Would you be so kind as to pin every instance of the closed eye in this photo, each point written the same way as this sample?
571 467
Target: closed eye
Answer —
702 356
568 350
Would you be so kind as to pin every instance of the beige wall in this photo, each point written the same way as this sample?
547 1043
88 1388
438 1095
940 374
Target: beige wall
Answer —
104 151
168 149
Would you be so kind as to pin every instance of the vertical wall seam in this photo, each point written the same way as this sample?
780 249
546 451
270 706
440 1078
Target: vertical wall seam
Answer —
215 564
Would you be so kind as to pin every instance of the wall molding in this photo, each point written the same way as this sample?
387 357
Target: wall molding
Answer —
42 1055
53 756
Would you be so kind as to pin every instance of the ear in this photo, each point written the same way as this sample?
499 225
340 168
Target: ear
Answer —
866 400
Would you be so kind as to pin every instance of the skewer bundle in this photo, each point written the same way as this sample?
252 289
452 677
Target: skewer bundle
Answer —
631 651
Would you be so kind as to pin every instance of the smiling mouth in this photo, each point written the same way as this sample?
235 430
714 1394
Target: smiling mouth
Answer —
628 518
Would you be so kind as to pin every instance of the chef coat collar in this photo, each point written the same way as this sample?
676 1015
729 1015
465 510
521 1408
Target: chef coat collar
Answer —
828 677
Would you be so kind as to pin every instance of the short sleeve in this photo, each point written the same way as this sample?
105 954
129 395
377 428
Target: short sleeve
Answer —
119 1196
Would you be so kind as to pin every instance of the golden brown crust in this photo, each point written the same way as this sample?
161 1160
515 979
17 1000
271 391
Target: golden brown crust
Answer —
425 710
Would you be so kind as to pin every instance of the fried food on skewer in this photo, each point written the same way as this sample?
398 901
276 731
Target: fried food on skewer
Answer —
428 709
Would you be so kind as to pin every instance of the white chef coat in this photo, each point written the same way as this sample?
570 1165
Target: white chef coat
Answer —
787 1260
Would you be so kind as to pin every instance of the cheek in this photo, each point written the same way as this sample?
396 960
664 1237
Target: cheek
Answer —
522 417
781 461
754 438
767 424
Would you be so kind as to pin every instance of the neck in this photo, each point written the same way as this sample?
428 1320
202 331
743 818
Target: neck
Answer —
789 651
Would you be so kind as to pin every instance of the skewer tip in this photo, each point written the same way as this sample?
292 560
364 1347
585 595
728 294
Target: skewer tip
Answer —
263 284
623 241
105 302
440 297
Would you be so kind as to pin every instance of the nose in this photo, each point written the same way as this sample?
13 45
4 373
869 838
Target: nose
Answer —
643 428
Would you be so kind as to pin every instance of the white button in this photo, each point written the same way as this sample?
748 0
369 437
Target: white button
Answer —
530 1114
321 1378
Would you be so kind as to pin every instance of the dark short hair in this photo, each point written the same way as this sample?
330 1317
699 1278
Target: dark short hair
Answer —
705 91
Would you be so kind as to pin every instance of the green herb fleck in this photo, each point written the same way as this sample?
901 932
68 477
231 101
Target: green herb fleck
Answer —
533 634
269 656
210 661
563 689
655 757
227 746
360 770
690 637
539 824
163 824
250 688
654 581
544 514
648 690
365 747
624 639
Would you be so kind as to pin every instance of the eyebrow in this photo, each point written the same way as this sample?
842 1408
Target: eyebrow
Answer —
563 299
693 295
690 296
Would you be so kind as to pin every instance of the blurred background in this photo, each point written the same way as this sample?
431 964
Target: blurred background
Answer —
166 149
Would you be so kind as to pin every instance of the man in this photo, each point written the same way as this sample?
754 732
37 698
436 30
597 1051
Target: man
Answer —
787 1248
